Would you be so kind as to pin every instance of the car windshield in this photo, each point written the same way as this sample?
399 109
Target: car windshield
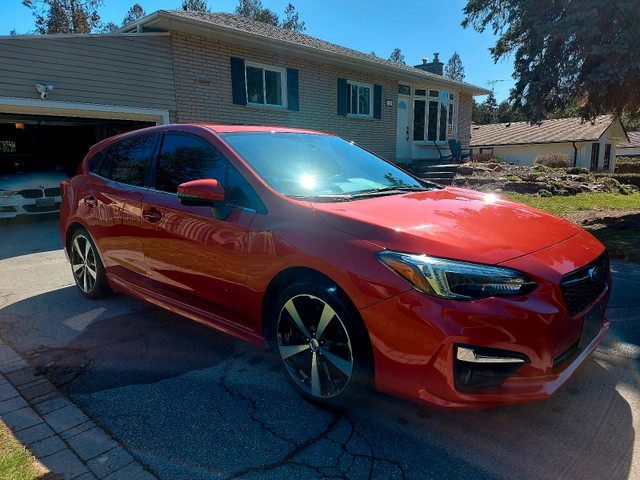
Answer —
319 167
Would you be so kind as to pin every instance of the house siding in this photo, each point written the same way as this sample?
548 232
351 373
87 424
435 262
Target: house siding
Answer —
117 70
199 59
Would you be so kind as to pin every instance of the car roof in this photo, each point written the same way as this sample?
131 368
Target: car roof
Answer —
198 127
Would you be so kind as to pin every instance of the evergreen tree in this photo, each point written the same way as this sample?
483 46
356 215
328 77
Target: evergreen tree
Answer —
566 49
253 9
194 6
454 69
65 16
397 56
133 14
292 20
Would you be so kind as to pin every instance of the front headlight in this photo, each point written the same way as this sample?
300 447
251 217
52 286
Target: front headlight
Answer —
455 279
8 193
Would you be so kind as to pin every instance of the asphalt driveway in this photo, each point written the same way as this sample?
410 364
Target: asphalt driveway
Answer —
192 403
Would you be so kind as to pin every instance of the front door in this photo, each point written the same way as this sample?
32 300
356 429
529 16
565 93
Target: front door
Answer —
403 143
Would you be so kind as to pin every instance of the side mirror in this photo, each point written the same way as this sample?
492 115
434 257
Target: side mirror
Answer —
206 192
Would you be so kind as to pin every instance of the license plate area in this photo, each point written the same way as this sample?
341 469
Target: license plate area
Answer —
45 202
591 325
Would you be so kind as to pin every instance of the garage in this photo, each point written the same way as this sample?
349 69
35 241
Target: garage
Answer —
31 142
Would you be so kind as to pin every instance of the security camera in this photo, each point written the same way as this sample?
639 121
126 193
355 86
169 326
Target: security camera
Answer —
43 89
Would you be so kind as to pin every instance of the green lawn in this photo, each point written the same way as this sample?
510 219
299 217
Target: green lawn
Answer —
16 462
620 233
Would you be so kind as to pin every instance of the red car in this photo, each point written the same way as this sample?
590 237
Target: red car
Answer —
354 271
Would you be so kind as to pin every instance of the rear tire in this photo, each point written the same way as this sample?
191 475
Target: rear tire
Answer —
322 345
86 266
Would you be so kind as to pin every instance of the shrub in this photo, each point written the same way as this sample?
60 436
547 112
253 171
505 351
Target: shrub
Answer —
553 160
611 184
578 171
623 178
483 157
543 192
627 165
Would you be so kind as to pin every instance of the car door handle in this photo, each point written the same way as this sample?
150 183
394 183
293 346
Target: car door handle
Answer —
90 201
152 215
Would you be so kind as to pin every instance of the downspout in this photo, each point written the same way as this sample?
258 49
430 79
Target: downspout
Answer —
575 154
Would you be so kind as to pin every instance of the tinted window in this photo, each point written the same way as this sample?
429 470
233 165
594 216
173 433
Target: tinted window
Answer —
239 192
184 158
96 161
126 161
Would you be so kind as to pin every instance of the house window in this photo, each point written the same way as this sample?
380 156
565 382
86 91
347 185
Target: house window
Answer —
595 153
359 99
265 85
435 119
262 85
607 156
404 89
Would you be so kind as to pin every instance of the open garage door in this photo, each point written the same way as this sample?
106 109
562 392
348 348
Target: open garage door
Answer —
30 142
38 152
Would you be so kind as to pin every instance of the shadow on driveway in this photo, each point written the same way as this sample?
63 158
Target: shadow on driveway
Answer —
193 403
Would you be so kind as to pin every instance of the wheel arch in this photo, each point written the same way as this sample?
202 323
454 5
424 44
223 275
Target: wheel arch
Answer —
294 275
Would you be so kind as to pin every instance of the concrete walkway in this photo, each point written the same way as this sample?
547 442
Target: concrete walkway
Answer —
59 434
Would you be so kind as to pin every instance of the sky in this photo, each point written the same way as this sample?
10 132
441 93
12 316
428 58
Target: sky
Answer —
418 27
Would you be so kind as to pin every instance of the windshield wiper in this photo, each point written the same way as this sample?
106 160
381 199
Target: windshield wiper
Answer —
332 197
390 190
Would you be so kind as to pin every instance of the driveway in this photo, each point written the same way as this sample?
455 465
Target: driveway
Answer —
192 403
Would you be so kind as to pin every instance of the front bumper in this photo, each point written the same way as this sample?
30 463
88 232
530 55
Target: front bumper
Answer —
415 337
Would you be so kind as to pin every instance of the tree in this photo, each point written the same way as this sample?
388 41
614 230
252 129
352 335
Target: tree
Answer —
566 49
292 20
397 56
133 14
65 16
454 69
195 6
253 9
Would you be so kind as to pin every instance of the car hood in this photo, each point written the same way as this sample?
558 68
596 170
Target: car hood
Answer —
26 180
452 223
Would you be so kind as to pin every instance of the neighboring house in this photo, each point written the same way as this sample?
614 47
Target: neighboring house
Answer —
177 66
631 149
590 145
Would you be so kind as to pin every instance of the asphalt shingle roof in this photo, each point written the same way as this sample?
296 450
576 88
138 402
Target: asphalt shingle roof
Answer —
558 130
246 26
634 140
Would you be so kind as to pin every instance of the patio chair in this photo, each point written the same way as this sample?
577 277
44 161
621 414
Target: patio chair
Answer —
457 153
444 157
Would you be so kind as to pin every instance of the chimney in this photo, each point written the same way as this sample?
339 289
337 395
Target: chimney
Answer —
434 67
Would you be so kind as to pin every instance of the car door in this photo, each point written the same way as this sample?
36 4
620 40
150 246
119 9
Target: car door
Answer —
112 204
193 257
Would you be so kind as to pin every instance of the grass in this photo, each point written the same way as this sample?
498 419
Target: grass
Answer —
16 462
580 202
619 233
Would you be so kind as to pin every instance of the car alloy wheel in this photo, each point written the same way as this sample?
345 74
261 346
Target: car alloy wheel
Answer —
315 346
86 266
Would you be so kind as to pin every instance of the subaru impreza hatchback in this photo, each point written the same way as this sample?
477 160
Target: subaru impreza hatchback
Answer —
356 273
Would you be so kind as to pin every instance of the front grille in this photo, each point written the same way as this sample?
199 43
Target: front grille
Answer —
52 192
582 286
32 193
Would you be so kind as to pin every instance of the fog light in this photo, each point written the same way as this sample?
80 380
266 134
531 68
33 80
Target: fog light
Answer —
481 368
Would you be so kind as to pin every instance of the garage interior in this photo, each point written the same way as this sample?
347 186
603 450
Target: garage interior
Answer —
37 142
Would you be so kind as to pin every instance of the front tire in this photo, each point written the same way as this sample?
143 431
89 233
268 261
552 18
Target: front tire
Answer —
322 345
86 266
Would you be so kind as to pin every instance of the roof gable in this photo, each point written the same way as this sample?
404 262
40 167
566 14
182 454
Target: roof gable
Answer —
560 130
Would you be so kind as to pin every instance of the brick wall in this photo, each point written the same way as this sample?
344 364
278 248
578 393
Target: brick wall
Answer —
198 58
464 120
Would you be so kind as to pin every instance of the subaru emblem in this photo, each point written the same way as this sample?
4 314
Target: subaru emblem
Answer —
595 273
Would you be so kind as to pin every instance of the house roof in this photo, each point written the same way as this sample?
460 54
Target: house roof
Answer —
634 141
559 130
262 35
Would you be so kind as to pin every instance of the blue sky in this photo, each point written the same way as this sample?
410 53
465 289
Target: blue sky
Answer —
418 27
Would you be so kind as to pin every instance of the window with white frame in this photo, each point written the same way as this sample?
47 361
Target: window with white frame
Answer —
265 85
435 116
359 99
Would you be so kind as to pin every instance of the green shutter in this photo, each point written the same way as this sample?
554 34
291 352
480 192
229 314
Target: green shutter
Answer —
377 101
238 84
342 96
293 102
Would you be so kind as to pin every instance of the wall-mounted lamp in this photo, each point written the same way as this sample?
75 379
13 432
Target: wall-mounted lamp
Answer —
19 126
389 103
43 90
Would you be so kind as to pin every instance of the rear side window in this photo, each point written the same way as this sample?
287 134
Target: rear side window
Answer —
184 158
127 160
